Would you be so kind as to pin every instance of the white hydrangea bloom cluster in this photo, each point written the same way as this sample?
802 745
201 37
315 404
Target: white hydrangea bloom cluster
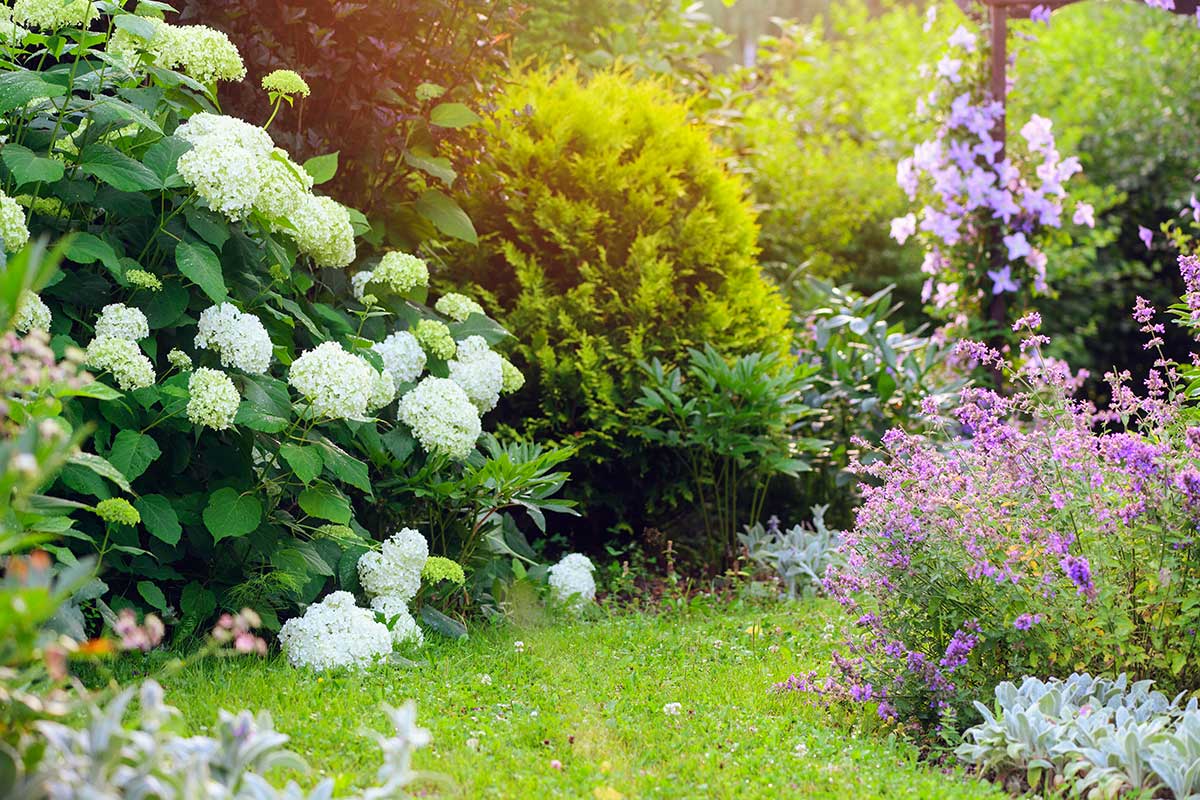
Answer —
402 357
225 164
441 417
119 321
198 51
457 306
323 231
179 360
214 399
383 390
394 570
513 379
32 313
49 15
401 273
395 611
335 633
338 384
13 229
285 185
358 283
124 359
9 30
436 339
237 337
479 371
571 580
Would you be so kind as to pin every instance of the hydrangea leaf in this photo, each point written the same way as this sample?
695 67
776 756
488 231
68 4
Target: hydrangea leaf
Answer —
322 169
325 502
152 595
132 453
159 518
163 158
101 467
201 265
117 169
453 115
446 215
28 167
443 624
23 86
230 514
305 460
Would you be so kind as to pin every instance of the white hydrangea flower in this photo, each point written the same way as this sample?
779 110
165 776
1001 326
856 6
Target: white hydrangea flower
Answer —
285 185
394 570
214 399
48 15
434 336
338 384
179 360
513 379
441 417
323 231
120 321
13 229
198 51
124 359
9 30
358 283
226 162
401 272
457 306
237 337
383 390
402 357
395 611
571 580
335 633
479 371
32 313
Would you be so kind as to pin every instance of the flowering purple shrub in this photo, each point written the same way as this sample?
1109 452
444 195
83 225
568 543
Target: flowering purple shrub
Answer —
1025 534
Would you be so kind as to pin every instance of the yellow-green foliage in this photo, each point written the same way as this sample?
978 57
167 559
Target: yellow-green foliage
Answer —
611 232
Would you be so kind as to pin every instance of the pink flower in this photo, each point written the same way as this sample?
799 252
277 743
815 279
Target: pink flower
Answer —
1084 215
1146 235
963 38
904 227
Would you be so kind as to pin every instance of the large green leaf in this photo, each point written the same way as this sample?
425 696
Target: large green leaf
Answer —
152 595
27 166
442 624
101 467
159 517
87 248
322 169
201 265
117 169
325 502
345 467
132 453
19 87
453 115
446 215
196 603
163 159
230 515
305 460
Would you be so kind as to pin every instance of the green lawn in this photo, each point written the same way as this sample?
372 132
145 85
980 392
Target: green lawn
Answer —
590 696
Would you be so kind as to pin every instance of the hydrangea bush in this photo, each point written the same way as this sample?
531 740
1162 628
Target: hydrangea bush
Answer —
1024 534
251 389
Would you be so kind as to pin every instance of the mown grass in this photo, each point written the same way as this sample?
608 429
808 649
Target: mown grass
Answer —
579 713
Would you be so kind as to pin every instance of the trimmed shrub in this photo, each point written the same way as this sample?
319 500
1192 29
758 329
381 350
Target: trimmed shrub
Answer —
611 234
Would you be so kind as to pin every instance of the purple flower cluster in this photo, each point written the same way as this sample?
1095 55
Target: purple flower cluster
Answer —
966 188
1026 529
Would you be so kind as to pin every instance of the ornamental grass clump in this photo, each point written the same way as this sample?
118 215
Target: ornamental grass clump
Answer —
1023 534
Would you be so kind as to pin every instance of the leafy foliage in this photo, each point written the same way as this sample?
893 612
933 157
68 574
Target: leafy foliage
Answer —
391 101
610 234
797 557
731 423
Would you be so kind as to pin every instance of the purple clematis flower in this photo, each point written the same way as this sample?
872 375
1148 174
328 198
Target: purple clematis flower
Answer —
1002 281
1042 13
1084 215
1018 246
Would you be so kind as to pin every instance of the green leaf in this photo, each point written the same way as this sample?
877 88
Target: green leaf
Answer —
159 517
132 453
453 115
101 467
446 215
202 267
442 624
346 467
304 554
19 87
305 461
230 515
28 167
138 26
196 603
436 166
322 168
209 226
348 568
152 595
117 169
87 248
163 160
325 502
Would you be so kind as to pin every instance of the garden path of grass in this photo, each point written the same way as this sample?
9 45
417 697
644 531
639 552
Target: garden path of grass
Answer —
589 695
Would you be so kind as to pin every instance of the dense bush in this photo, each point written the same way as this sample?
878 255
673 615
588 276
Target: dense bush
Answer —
245 399
392 84
1029 533
611 234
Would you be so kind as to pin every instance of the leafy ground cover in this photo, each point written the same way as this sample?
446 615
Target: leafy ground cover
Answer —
578 710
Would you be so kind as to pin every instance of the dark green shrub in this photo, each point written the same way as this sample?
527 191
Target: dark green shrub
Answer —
611 234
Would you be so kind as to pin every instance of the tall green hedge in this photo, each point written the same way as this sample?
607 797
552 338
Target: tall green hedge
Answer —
610 232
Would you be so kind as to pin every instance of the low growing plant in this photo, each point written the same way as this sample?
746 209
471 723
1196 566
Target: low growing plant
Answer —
799 557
